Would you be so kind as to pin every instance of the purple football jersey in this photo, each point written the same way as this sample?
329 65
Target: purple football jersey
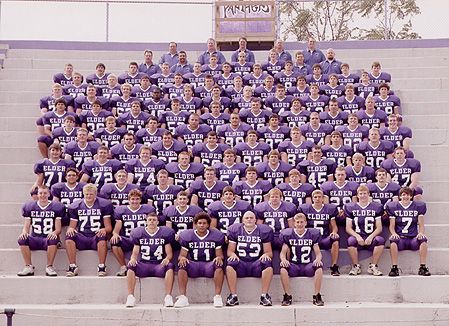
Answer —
156 108
194 80
288 80
317 173
143 94
274 137
340 195
207 195
255 120
117 196
387 104
384 194
90 218
263 93
402 174
353 137
184 177
132 219
406 218
318 135
48 102
181 220
66 194
319 219
276 218
81 155
250 244
278 105
273 68
172 90
295 153
53 172
152 246
230 174
202 92
53 120
396 137
298 92
233 93
295 119
372 120
338 155
301 246
161 198
201 248
348 79
365 175
110 138
228 215
332 92
209 156
190 136
130 79
252 156
375 155
252 194
62 79
100 174
192 105
146 137
109 92
209 70
169 154
275 175
144 174
365 90
121 104
215 121
133 123
94 121
296 195
318 104
351 106
64 136
43 218
363 218
341 118
225 102
383 77
224 81
242 69
84 104
240 103
321 80
75 91
233 136
252 80
121 153
174 120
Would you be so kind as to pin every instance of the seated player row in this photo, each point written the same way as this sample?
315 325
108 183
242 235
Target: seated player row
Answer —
156 99
249 253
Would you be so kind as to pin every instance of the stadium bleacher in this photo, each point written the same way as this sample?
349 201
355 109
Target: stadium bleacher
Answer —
419 79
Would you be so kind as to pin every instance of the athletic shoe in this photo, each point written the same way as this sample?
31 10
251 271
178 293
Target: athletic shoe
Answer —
181 302
317 301
28 270
355 270
218 301
232 300
287 300
394 271
374 270
72 271
130 301
168 301
122 271
424 271
50 271
101 271
334 270
265 300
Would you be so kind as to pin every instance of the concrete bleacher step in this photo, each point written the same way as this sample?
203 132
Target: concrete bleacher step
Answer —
21 96
417 83
16 172
19 155
20 110
419 94
434 121
422 108
43 85
303 313
430 136
438 261
18 124
11 139
112 290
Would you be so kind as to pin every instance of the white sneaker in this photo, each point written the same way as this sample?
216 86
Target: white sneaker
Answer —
130 301
168 301
218 301
50 271
374 270
28 270
355 270
122 271
181 302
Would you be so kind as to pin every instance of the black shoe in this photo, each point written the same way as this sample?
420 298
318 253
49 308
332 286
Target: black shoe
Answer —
287 300
334 270
317 301
232 300
394 271
265 300
424 271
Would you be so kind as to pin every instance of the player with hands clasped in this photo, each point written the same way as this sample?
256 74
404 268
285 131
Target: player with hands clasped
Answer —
201 256
151 257
296 258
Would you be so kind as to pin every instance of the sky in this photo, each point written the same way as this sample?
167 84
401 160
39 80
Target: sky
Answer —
22 20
